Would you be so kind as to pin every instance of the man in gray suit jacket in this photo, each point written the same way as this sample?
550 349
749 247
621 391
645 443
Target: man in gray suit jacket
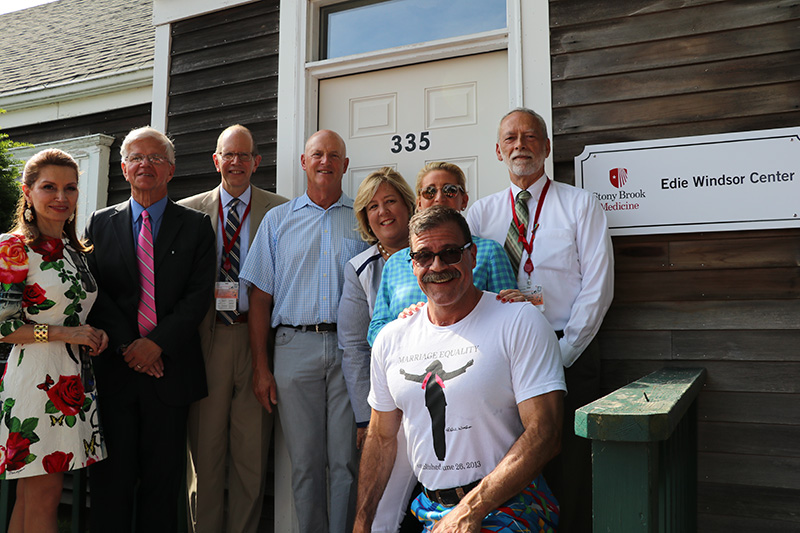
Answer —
226 349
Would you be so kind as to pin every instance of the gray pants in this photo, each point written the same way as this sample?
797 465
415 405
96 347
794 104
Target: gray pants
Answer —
319 425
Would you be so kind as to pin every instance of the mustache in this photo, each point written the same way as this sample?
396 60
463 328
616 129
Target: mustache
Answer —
522 151
441 277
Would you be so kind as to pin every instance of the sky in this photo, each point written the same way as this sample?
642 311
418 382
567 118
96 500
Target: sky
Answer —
6 6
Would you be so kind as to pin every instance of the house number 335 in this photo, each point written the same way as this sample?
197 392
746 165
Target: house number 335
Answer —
411 142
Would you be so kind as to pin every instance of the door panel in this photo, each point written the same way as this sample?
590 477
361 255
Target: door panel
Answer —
405 117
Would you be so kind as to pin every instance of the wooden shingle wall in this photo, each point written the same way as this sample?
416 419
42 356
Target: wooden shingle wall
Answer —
726 301
223 71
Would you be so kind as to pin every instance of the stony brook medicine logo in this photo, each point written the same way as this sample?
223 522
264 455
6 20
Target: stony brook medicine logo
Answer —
621 199
618 177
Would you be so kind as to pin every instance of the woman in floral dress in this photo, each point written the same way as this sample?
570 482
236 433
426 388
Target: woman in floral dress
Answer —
49 407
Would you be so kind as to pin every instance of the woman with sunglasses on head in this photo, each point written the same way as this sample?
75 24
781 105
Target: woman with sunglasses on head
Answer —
439 183
49 419
383 206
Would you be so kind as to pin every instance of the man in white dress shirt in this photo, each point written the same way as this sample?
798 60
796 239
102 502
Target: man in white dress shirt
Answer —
557 238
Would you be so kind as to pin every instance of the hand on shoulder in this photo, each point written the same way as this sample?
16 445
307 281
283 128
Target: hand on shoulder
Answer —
410 310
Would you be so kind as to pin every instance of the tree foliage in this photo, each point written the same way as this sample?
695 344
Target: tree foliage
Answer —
10 189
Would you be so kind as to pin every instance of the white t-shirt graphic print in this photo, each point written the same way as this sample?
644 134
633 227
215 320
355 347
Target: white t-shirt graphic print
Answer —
474 373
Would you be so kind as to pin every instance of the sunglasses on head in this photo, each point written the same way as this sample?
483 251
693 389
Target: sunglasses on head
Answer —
449 190
449 256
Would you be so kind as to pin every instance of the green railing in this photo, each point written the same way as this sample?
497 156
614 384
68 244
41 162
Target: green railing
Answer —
644 453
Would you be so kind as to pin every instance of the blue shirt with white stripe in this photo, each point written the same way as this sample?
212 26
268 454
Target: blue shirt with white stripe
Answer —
298 257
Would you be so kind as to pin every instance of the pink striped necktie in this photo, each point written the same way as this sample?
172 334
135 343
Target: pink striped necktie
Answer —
147 281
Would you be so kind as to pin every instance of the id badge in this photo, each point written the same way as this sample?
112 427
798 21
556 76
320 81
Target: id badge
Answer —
535 295
226 294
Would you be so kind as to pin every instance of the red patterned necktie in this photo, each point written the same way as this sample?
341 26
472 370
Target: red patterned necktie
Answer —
147 281
231 260
513 244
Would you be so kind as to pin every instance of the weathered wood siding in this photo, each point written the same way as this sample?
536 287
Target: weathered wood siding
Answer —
117 123
728 301
223 71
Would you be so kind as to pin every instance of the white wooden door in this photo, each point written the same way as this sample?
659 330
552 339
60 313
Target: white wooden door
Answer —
404 117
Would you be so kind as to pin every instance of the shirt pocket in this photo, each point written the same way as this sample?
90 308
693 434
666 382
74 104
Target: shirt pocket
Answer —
555 250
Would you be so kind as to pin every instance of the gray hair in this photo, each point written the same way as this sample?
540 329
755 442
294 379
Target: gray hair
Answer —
147 132
435 216
536 116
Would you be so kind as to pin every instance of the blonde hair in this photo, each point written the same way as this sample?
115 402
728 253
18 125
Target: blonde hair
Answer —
455 170
367 190
33 168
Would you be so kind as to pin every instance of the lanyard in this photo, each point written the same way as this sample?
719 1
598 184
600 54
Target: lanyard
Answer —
528 246
227 245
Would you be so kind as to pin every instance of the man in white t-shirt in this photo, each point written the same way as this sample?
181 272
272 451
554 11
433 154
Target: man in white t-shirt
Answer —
477 385
556 236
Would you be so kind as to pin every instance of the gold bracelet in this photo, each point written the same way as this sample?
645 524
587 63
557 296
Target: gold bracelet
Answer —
40 333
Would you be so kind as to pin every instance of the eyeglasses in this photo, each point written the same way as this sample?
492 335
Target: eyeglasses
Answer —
156 159
449 256
449 190
244 157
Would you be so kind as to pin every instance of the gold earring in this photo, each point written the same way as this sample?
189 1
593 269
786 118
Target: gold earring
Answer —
28 214
71 217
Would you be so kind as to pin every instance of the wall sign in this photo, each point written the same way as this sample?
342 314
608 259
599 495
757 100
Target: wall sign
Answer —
734 181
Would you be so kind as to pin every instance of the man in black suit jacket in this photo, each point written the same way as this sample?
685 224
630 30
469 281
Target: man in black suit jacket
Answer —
146 382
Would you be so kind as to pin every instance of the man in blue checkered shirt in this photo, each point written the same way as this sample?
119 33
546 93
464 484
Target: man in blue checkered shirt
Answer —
295 270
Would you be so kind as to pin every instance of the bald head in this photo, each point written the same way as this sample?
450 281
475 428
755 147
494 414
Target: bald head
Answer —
325 162
236 158
327 136
238 129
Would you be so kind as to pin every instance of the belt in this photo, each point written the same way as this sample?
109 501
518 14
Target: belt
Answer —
315 328
450 497
241 319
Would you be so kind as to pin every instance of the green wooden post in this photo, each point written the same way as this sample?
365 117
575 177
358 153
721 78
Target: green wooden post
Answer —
644 479
624 468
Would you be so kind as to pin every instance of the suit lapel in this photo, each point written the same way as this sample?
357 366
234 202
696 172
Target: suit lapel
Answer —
123 232
210 206
168 232
260 206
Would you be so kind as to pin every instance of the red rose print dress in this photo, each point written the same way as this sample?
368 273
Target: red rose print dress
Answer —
49 404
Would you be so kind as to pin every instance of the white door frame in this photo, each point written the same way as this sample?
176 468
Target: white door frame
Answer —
527 39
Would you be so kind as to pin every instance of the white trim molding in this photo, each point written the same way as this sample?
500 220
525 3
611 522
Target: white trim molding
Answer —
478 43
168 11
527 39
535 81
160 96
76 98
